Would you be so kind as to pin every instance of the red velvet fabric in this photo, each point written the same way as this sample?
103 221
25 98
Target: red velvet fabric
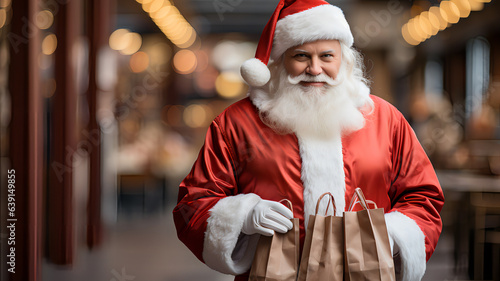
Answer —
243 155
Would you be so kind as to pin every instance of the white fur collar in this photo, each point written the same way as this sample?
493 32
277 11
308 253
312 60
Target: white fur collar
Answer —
322 171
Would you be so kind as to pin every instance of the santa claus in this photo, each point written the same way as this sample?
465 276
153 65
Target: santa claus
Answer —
308 126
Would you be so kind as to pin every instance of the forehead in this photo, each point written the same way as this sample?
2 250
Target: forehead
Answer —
319 45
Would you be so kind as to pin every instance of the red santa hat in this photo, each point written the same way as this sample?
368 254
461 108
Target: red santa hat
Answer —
293 23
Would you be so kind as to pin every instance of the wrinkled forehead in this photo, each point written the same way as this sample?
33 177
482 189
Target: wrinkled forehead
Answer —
318 46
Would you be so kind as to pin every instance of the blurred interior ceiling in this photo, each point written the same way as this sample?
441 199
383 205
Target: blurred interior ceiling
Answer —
210 16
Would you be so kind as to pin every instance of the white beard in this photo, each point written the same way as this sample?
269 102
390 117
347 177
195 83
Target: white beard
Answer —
317 112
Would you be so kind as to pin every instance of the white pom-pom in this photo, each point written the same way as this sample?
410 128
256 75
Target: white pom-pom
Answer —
255 72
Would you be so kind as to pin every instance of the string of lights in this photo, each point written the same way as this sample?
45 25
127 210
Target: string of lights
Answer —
438 18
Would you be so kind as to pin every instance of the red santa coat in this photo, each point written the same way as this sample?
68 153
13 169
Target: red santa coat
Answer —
243 161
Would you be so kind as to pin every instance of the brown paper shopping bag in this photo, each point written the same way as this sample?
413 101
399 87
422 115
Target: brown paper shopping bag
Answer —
323 252
367 249
277 257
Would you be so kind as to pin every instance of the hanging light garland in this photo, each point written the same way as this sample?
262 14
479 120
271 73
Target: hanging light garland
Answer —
170 21
429 23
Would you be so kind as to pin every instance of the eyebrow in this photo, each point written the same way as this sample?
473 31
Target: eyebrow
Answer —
328 51
307 52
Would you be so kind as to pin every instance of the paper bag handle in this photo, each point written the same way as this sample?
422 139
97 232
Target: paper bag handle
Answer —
358 194
332 200
290 205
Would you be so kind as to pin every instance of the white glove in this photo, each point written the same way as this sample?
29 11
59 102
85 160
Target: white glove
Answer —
268 217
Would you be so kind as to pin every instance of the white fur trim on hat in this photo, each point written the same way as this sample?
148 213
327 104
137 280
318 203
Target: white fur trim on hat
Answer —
410 240
255 72
319 23
225 249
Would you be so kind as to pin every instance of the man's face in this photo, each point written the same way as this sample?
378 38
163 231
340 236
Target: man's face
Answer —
314 58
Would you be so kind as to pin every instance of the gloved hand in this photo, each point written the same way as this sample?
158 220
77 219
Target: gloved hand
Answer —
268 217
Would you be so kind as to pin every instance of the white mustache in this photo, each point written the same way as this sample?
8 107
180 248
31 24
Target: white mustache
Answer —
323 78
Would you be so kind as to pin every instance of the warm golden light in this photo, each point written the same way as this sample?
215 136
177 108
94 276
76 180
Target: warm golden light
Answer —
139 62
463 7
44 19
190 38
49 44
424 24
184 62
429 23
476 5
170 21
415 31
155 6
229 85
4 3
196 115
450 11
434 22
407 36
437 13
163 12
3 17
134 43
118 40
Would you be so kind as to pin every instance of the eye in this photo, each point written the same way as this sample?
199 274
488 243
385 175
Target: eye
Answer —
300 55
327 55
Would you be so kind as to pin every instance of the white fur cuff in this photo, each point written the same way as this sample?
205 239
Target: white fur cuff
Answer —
410 240
223 230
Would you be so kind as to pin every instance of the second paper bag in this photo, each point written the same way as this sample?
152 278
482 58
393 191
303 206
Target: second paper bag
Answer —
367 250
323 252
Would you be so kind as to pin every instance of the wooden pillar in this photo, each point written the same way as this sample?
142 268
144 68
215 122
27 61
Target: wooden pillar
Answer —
25 151
94 229
98 19
60 221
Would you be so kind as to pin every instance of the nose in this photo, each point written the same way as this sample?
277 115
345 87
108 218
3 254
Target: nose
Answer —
314 67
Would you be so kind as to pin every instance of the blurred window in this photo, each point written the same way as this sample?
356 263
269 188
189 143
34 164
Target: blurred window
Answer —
477 73
434 79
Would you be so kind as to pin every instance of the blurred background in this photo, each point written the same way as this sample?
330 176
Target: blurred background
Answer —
104 105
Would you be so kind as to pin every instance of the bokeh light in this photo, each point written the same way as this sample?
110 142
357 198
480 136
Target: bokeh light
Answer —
49 44
117 39
3 17
170 21
134 43
407 36
425 24
185 61
450 11
125 41
139 62
463 6
229 85
197 115
5 3
44 19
